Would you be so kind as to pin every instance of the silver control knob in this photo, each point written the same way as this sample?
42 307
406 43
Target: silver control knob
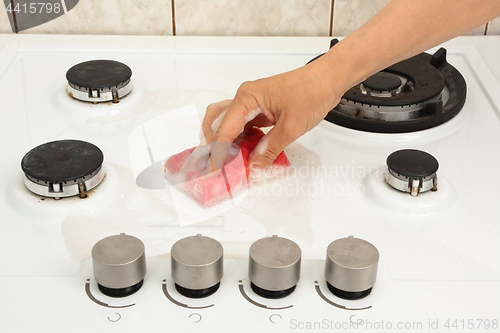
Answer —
351 267
119 265
274 266
197 266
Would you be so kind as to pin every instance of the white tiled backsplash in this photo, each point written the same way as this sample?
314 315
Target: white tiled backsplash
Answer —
216 18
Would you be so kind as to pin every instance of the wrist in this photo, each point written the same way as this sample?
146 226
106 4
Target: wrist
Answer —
332 77
347 65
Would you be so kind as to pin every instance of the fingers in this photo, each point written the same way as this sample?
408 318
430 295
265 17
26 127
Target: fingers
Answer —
200 155
233 123
219 152
272 144
211 120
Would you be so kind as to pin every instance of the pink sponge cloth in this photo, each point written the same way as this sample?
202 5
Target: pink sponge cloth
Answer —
212 190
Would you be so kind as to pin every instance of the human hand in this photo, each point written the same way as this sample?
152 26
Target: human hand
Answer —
294 102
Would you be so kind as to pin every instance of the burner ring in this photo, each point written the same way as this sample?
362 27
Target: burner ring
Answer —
99 81
434 93
63 168
379 113
427 83
56 190
412 171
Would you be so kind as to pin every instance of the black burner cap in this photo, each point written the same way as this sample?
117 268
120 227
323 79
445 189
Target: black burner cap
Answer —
349 295
272 294
427 75
412 163
63 160
197 293
121 292
382 81
97 74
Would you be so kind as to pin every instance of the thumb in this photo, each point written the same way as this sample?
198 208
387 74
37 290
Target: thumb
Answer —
270 146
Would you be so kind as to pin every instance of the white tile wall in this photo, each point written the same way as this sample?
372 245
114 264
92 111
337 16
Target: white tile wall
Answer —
110 17
253 17
477 32
216 17
494 27
348 15
4 21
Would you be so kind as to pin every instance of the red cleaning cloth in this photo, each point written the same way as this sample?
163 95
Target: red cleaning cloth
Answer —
233 179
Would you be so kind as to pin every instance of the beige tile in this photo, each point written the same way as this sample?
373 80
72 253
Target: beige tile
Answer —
476 32
253 17
494 27
348 15
113 17
4 21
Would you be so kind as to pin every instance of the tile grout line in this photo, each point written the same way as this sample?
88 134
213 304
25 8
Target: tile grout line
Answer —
486 28
16 30
172 2
63 2
331 18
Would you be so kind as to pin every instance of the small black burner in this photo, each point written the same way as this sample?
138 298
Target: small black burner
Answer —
382 81
272 294
412 171
349 295
415 94
197 293
122 292
63 168
412 163
99 80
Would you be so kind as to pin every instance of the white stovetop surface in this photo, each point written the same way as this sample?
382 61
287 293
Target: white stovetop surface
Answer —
438 252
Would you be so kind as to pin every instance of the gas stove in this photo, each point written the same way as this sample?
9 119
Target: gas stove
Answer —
374 227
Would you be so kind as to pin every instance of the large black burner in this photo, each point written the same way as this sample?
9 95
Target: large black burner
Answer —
98 74
62 161
99 81
63 168
415 94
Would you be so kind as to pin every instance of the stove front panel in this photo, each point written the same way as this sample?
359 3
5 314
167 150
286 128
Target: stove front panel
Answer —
438 251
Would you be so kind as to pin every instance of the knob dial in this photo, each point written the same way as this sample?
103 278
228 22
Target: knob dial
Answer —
351 267
274 266
197 266
119 263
